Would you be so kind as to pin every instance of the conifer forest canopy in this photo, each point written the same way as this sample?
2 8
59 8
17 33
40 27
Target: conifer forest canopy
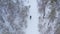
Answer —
29 16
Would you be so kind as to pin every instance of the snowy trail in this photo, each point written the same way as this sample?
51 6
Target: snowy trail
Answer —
33 22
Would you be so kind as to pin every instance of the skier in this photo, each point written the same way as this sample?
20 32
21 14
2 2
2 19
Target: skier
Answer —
30 17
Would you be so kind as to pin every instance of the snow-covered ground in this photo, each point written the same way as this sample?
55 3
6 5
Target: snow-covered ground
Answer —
32 24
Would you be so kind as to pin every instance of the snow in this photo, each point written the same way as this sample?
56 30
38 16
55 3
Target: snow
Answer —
32 24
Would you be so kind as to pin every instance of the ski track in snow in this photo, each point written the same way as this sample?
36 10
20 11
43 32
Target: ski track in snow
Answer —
32 24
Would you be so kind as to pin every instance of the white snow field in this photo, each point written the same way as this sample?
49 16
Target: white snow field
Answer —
32 24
